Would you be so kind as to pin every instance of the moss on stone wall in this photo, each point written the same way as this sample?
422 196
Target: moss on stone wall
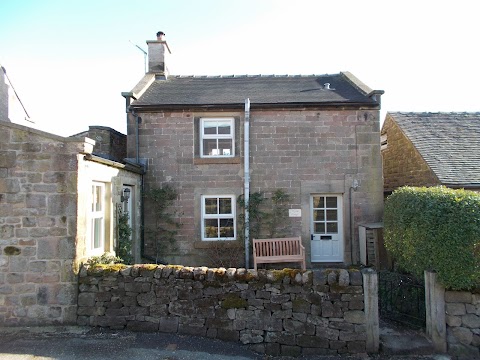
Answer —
233 301
105 269
11 250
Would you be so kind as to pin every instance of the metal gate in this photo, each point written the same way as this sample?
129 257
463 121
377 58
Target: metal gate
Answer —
401 298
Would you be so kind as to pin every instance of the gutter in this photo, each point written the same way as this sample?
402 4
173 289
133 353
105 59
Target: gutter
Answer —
352 188
246 190
139 89
373 104
138 120
136 168
462 186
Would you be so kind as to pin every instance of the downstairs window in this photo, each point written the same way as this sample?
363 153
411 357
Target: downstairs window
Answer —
218 217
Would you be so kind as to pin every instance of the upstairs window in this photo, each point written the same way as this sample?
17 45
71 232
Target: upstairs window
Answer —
218 217
217 137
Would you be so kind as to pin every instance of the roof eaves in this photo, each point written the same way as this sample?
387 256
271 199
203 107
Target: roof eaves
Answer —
136 168
249 76
460 185
254 105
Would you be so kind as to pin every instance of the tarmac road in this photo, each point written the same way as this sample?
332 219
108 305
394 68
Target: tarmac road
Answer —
75 343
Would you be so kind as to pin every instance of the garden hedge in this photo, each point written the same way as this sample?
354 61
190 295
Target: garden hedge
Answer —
435 229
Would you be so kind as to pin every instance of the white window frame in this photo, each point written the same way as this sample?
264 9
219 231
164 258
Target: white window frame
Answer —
217 137
97 215
219 217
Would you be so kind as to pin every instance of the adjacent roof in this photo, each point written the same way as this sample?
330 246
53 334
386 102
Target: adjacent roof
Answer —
448 142
273 90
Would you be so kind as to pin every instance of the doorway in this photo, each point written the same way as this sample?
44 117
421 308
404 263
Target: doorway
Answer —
326 228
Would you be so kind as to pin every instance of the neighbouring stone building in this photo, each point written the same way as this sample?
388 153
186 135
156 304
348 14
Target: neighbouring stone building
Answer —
430 149
315 138
109 143
58 207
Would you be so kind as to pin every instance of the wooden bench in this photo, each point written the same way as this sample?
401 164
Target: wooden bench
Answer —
278 250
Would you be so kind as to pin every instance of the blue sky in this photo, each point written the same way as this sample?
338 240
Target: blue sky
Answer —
70 60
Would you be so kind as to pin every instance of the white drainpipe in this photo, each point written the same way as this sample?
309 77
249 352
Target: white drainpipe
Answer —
247 181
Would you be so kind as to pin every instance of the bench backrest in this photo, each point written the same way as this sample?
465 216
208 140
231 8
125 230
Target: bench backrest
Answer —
277 247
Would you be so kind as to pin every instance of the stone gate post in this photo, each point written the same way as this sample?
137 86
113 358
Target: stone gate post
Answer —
370 294
435 312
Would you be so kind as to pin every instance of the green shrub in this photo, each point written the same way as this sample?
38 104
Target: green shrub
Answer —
162 232
435 229
124 249
104 259
278 217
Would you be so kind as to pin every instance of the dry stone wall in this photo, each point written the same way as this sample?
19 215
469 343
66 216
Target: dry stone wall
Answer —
278 312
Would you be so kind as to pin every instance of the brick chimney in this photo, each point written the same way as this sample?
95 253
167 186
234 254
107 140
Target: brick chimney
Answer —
158 51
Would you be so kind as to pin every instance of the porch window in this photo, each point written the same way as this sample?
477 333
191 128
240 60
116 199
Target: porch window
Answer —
217 138
218 217
97 218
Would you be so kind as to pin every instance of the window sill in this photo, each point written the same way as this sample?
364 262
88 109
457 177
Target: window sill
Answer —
207 161
207 244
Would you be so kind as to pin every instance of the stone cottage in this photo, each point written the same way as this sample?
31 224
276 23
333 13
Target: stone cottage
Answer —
215 139
431 149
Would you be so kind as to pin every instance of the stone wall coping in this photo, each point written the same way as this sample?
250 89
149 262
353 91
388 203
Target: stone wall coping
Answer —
340 277
42 133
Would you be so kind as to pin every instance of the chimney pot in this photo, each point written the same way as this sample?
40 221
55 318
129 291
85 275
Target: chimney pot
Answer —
160 36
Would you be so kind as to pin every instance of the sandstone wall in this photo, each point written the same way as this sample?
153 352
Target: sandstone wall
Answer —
45 183
279 312
301 152
402 163
38 223
463 322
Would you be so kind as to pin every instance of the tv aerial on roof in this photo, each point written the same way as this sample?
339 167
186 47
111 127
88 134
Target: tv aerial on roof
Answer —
27 118
144 54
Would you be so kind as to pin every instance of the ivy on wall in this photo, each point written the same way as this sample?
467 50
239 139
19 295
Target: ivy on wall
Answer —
163 230
268 216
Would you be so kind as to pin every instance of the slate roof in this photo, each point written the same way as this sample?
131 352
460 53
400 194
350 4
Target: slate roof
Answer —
205 91
448 142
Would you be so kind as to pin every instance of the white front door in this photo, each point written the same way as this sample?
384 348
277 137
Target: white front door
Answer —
326 228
